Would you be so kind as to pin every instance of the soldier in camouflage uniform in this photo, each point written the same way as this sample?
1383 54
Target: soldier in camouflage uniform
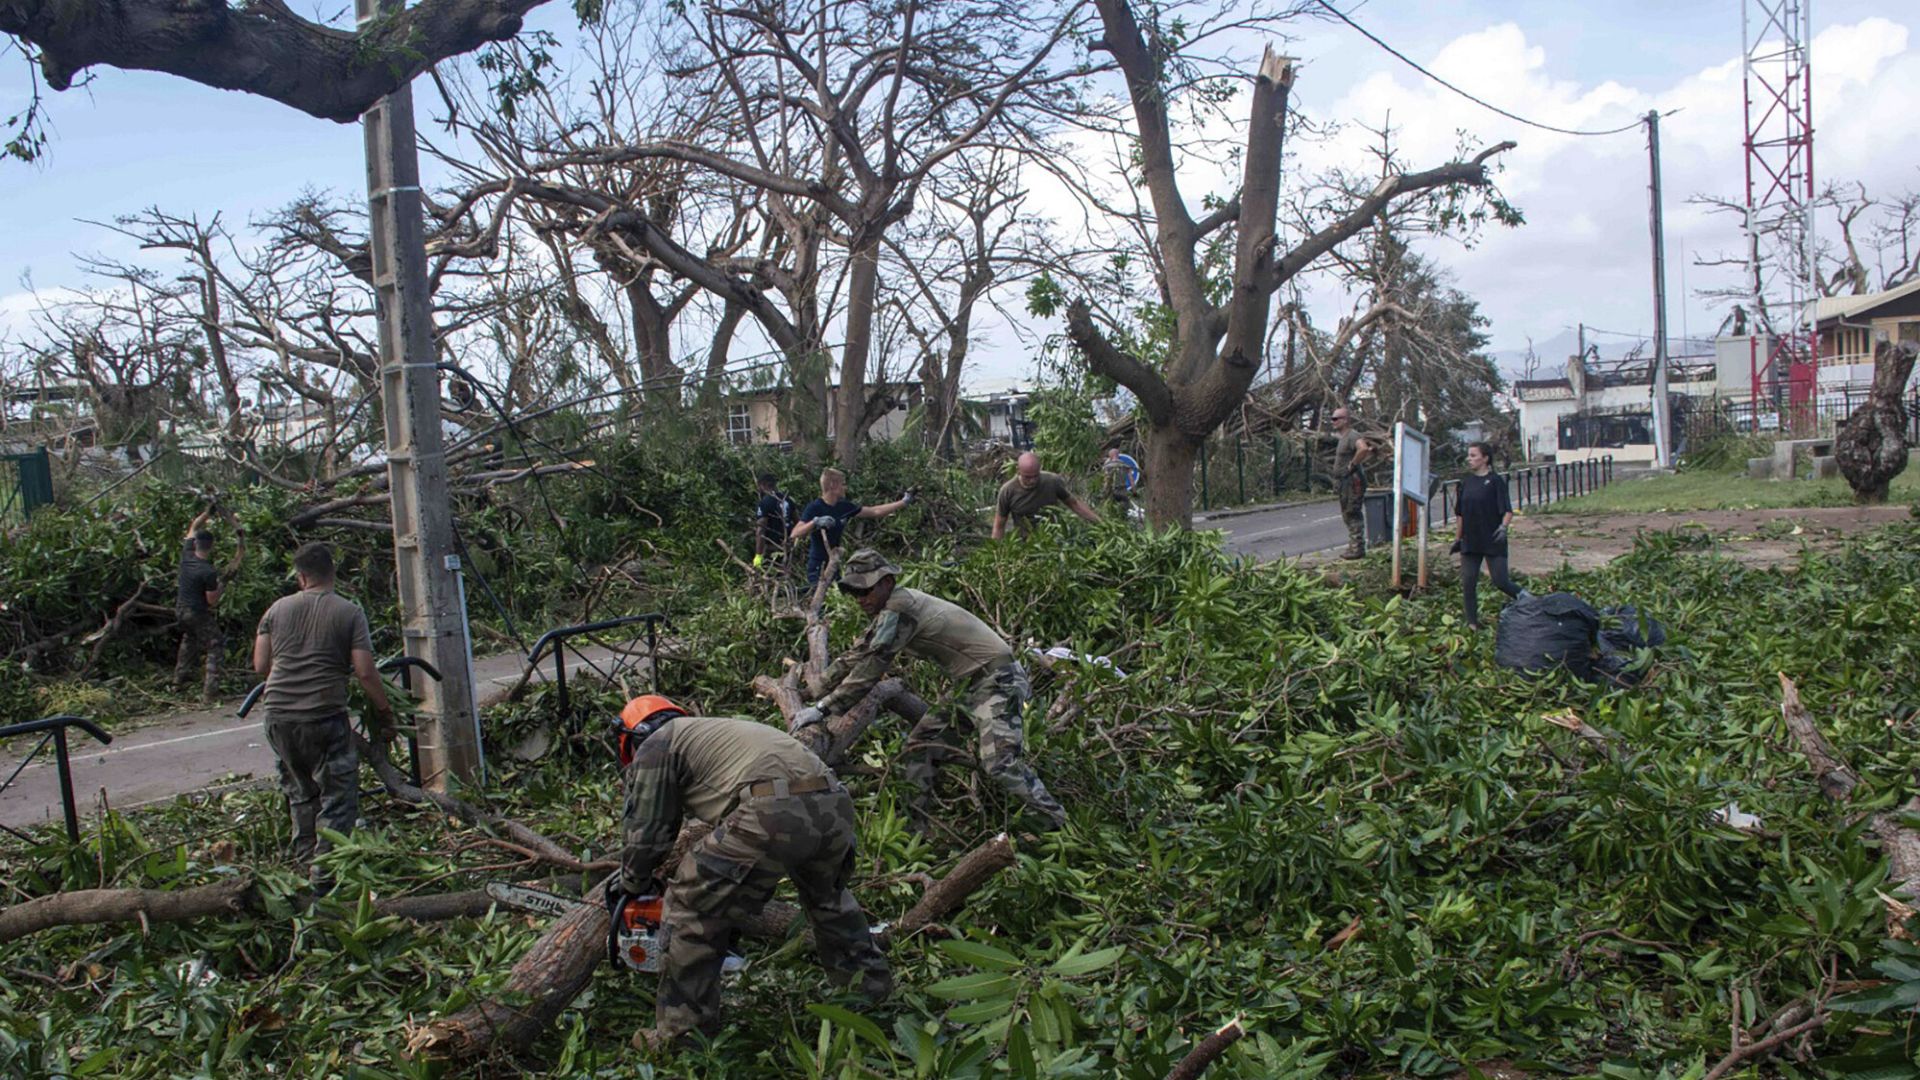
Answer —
199 592
1350 453
778 813
910 621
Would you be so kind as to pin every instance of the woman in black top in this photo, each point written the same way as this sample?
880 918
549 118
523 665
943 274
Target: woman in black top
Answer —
1485 511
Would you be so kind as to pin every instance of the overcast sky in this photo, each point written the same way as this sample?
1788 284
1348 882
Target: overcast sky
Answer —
135 140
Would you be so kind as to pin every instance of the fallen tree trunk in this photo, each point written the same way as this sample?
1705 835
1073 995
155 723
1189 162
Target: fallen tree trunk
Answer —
558 966
946 896
547 978
88 906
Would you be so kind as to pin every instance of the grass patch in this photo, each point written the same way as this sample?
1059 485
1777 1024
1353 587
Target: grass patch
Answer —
1719 491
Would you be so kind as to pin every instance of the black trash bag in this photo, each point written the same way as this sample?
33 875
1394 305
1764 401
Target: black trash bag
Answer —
1625 632
1540 633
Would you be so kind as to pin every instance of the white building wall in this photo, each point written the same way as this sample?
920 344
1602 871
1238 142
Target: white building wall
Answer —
1540 426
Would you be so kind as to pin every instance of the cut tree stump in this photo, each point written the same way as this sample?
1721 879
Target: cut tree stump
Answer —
1871 446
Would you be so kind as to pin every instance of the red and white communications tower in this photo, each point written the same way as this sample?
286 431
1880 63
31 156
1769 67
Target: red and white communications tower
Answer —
1777 36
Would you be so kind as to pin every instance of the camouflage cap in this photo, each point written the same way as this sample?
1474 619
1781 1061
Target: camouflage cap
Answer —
864 569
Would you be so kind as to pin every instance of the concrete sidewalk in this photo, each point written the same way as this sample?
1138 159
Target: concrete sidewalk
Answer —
205 749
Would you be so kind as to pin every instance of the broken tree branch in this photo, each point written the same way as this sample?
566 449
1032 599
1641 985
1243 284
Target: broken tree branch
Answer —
86 906
548 977
1835 778
950 893
537 844
1207 1051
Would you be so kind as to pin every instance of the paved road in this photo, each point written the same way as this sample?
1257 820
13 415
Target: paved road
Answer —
189 752
1282 531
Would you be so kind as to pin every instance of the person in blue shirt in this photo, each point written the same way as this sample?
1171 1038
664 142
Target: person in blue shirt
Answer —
825 519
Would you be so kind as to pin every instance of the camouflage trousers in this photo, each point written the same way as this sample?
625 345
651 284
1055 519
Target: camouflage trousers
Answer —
320 774
725 881
993 700
200 641
1353 491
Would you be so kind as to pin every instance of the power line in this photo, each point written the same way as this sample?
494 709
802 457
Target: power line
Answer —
1403 58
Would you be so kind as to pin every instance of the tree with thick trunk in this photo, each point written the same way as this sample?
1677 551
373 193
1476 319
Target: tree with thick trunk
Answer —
1216 346
260 46
1871 447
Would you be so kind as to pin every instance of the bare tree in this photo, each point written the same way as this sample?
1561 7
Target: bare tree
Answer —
955 258
1218 323
843 112
1863 244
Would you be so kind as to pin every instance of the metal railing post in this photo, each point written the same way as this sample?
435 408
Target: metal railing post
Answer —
66 784
56 727
1276 465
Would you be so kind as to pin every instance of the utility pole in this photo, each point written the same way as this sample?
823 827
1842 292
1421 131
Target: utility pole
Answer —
432 624
1662 438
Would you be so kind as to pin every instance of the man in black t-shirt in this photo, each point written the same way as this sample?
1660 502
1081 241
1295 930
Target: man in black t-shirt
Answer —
773 520
199 627
825 519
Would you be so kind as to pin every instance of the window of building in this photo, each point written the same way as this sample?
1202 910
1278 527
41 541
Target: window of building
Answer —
739 425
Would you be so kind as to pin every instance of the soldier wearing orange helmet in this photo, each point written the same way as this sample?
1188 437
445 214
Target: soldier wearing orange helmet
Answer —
778 812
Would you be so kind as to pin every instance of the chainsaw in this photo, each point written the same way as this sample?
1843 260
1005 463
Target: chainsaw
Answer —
637 939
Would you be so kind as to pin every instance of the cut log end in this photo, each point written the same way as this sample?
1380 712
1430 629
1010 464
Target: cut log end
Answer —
1208 1050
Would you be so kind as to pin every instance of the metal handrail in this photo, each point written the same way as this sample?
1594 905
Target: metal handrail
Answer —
56 729
556 636
401 663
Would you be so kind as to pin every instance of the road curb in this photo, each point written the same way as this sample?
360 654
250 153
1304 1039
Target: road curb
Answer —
1243 511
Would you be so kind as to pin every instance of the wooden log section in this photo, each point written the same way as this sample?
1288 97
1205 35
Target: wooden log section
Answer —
87 906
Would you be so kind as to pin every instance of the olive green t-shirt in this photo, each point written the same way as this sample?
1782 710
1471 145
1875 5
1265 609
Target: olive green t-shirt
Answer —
311 637
1023 504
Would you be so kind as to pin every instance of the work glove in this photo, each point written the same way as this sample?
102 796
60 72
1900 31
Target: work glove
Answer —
826 521
616 898
758 560
805 718
1500 535
908 497
1455 549
380 728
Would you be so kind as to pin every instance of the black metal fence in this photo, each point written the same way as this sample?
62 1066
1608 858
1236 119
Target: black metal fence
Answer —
1535 485
1814 418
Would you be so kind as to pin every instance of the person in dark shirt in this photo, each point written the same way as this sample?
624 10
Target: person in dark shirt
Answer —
825 519
1485 512
773 519
199 594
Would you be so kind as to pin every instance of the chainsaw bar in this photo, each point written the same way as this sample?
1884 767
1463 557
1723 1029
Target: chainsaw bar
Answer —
525 898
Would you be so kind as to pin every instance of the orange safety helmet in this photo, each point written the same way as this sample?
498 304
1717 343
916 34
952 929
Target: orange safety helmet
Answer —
640 718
